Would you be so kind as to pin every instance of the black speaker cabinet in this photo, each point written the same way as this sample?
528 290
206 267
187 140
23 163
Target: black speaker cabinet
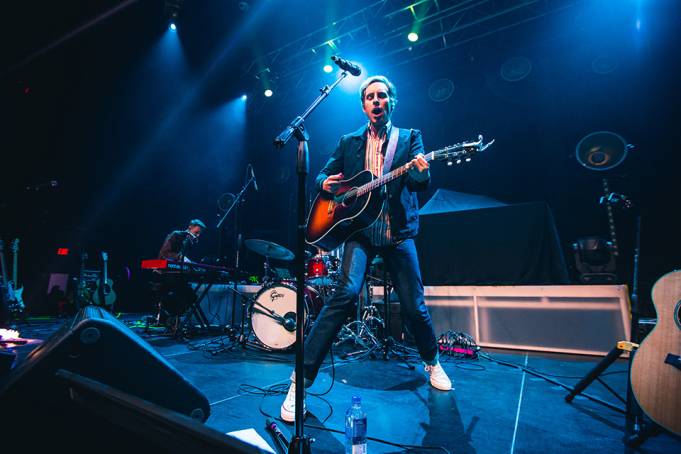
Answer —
94 345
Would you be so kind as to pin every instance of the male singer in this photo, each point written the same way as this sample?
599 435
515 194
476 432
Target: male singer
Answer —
178 244
391 235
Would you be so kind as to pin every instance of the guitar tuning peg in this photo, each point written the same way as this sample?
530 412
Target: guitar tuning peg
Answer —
449 162
458 161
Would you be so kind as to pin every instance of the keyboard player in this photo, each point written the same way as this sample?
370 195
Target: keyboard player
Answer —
177 246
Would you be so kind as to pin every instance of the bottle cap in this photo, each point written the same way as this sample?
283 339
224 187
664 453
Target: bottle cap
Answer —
356 400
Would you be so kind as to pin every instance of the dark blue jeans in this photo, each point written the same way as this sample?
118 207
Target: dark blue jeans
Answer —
403 264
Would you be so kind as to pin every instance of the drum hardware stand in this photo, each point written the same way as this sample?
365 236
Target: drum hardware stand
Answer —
388 343
362 330
300 443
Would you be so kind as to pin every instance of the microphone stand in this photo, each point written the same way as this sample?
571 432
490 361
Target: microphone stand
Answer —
300 443
237 271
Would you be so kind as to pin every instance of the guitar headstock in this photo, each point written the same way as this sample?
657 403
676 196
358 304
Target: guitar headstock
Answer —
84 256
460 152
105 257
2 245
15 245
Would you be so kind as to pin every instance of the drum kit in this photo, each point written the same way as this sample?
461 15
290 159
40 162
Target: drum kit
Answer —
272 311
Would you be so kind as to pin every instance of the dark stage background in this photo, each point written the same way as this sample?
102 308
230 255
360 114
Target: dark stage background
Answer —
144 129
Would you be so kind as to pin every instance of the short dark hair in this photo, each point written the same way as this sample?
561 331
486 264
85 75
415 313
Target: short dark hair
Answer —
392 91
194 222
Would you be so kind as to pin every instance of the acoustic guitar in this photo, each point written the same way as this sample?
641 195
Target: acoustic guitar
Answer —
656 365
358 203
104 295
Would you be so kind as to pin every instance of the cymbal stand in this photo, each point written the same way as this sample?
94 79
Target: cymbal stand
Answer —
361 330
388 343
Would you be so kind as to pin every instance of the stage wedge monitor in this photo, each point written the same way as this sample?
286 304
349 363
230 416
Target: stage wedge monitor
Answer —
95 345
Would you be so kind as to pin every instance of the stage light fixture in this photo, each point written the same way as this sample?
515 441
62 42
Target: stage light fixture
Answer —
328 68
268 93
601 150
244 98
172 9
413 37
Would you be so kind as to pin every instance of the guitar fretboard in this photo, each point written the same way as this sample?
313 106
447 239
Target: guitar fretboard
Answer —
388 177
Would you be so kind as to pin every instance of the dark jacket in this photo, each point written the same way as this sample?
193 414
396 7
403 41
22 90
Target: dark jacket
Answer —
176 244
349 157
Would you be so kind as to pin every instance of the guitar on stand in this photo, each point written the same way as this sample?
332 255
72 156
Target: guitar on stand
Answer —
104 295
83 296
358 203
17 309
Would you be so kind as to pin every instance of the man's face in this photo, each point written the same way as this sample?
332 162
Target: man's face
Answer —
376 104
196 230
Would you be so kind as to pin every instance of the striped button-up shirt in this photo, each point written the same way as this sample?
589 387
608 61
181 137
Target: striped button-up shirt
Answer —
379 232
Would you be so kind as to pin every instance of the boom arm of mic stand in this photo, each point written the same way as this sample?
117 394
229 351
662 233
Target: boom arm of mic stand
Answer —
296 128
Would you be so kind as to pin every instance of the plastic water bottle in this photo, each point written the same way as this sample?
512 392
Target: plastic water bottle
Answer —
355 428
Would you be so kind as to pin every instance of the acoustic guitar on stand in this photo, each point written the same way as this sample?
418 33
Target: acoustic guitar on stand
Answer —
104 295
656 366
358 203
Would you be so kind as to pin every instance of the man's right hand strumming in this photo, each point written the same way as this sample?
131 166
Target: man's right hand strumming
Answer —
332 184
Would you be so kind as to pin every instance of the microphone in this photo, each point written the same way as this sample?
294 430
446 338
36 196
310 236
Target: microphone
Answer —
289 324
348 66
255 183
278 434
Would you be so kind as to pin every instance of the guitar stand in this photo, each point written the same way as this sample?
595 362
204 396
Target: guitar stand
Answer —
635 431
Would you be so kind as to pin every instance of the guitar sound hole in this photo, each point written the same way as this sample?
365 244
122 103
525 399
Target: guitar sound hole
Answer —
678 315
350 197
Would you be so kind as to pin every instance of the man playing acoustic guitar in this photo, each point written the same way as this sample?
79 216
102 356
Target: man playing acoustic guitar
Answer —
374 146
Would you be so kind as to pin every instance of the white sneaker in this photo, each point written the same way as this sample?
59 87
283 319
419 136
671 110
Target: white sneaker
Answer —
288 408
438 378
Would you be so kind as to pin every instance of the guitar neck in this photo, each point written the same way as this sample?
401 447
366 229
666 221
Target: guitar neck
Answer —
14 269
388 177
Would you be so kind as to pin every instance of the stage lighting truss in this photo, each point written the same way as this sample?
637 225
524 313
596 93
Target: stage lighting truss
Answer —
381 29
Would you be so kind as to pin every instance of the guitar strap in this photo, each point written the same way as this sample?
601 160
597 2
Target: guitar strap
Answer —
390 152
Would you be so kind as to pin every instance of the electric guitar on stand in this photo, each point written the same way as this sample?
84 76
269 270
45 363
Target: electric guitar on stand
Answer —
358 203
17 308
104 295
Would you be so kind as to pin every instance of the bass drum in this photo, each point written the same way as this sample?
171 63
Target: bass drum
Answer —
280 299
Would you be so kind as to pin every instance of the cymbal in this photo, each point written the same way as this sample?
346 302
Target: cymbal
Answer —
269 249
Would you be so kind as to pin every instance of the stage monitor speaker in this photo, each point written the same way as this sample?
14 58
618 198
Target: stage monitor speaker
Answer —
103 419
95 345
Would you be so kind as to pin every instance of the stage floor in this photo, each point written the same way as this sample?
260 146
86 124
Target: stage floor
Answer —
496 406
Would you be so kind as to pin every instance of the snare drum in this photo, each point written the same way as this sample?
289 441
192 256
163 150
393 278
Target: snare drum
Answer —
269 329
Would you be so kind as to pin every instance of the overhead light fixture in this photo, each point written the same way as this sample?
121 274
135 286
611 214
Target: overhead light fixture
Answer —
244 98
268 93
413 37
172 10
328 68
515 69
601 150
